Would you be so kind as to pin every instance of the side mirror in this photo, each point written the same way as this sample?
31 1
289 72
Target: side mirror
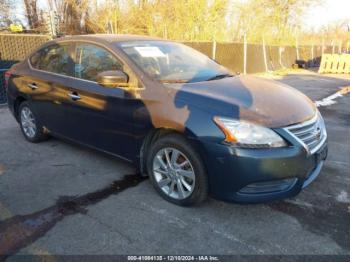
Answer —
113 79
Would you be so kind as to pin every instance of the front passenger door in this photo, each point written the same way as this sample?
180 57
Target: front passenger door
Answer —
98 116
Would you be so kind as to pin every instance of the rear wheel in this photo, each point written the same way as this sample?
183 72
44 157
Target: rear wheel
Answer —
177 172
30 125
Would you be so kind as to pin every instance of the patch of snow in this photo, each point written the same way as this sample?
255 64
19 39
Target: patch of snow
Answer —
343 197
328 100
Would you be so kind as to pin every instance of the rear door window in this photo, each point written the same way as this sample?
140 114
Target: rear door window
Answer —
54 58
91 60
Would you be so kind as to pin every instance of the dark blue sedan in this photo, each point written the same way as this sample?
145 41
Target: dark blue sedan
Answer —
185 121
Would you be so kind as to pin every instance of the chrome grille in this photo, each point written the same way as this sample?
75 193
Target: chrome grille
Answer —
311 134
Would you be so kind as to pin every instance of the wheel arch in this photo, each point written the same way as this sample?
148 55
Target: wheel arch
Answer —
156 134
18 101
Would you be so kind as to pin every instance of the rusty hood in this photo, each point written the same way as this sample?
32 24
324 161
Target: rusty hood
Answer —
265 102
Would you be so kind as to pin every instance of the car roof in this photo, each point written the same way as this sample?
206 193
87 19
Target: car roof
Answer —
106 39
111 38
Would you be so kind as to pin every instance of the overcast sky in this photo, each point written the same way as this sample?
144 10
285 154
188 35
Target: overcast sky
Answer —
330 11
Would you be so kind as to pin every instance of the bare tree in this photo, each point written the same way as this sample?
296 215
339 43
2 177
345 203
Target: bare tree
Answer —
6 6
274 20
32 13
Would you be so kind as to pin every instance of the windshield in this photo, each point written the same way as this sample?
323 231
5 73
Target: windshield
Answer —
171 62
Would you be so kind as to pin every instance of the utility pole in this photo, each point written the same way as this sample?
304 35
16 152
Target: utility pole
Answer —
322 45
53 20
52 23
264 52
340 46
245 54
213 55
297 47
297 42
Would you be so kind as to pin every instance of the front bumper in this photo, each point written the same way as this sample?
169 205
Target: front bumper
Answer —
232 169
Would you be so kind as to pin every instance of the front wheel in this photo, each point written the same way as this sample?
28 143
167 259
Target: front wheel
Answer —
30 125
177 172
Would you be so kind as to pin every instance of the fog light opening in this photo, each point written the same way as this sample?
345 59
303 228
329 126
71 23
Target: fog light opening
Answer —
269 187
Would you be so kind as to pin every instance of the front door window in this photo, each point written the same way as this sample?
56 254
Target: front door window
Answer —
92 60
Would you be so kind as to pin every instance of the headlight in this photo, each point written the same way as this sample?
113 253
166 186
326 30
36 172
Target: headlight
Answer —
245 134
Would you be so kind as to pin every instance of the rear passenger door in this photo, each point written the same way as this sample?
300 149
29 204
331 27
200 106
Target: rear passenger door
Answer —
98 116
48 82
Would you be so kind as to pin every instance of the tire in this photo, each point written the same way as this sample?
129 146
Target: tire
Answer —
30 125
191 177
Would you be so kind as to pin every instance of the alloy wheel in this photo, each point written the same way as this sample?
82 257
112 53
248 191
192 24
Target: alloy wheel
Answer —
28 122
174 173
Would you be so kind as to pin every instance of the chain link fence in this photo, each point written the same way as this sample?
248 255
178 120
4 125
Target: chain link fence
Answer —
238 57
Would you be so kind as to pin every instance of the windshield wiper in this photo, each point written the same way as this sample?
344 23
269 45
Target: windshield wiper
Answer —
217 77
174 81
182 81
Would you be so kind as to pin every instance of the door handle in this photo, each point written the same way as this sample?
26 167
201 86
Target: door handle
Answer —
33 86
74 96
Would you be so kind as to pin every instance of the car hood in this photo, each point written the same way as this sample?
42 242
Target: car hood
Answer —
249 98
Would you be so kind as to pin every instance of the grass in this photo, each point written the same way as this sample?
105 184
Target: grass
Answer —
280 73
